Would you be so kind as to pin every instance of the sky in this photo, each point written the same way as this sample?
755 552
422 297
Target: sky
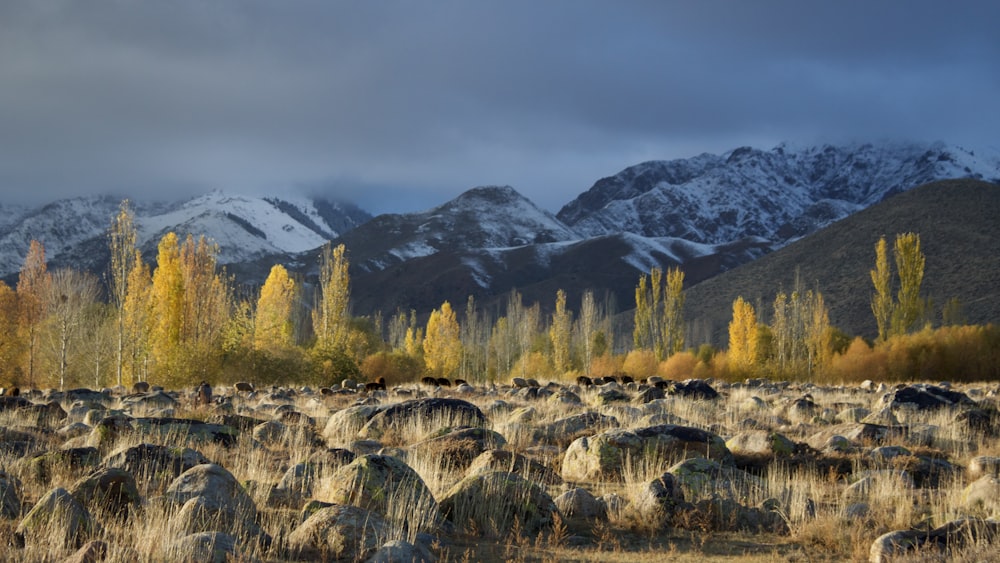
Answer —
401 105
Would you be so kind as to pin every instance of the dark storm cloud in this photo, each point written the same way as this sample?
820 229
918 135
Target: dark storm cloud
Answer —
401 105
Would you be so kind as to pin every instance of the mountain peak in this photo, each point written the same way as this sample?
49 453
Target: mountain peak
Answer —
779 195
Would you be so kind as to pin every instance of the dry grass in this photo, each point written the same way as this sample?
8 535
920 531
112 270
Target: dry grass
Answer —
824 523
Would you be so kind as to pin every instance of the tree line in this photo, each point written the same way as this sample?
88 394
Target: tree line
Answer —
185 320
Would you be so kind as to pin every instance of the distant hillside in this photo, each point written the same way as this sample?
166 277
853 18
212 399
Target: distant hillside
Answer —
960 236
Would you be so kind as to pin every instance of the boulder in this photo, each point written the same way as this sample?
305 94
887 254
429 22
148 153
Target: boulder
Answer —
579 503
431 413
204 547
761 443
203 513
153 464
91 552
402 551
216 485
699 476
337 533
984 465
657 500
385 485
181 429
920 396
982 496
10 496
564 430
603 455
459 446
730 516
693 389
950 536
57 520
502 460
492 502
108 490
41 467
344 425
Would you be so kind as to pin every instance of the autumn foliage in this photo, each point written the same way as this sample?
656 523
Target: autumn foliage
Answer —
182 320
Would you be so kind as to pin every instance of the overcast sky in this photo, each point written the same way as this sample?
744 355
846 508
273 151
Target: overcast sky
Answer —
400 106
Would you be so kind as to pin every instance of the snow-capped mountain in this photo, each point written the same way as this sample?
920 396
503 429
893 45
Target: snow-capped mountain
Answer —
778 195
246 228
481 219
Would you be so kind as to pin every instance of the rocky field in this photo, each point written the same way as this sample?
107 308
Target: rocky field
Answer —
612 471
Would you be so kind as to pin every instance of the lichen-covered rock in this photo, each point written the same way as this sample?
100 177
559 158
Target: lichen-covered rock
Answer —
492 502
761 443
430 414
564 430
108 489
208 514
91 552
700 476
920 396
204 547
216 485
729 515
982 496
343 426
579 503
984 465
400 551
460 446
154 464
383 484
337 533
603 455
10 497
57 519
952 535
181 428
503 460
693 389
41 467
656 501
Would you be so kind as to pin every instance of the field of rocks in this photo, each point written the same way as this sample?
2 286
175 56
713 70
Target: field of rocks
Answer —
600 470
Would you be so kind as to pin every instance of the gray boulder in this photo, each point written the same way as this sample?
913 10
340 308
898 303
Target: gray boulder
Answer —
338 533
56 517
204 547
603 455
492 502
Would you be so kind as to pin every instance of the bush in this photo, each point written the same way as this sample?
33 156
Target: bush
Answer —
640 364
679 366
395 367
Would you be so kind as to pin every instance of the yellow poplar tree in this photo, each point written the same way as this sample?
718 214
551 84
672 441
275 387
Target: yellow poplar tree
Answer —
882 304
138 318
743 336
673 314
274 326
559 334
32 294
10 343
642 336
442 341
331 317
910 269
167 299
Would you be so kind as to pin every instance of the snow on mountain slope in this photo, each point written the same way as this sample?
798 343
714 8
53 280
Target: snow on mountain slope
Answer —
778 195
479 219
245 228
60 226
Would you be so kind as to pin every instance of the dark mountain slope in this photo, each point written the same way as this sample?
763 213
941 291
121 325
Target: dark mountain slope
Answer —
959 226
